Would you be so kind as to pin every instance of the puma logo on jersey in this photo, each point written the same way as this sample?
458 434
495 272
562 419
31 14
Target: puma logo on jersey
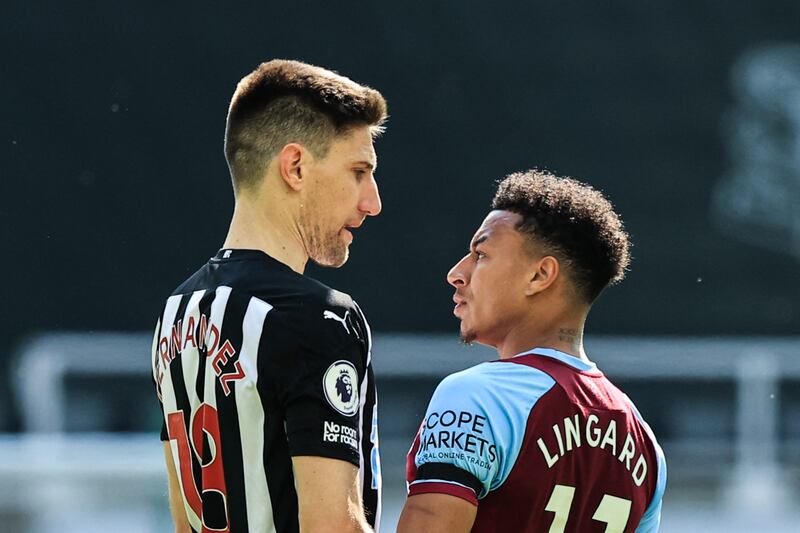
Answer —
334 316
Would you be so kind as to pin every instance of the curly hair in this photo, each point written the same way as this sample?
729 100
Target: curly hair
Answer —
285 101
574 222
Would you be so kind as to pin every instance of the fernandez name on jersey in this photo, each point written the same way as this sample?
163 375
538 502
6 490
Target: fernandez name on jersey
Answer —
253 364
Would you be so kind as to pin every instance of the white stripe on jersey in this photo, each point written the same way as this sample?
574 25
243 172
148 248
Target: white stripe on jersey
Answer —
190 356
154 356
251 421
170 403
215 319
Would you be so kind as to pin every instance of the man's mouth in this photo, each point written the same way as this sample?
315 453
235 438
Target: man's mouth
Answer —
349 227
348 235
460 304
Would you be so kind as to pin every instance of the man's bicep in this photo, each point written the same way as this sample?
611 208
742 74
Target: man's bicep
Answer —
328 495
438 512
321 405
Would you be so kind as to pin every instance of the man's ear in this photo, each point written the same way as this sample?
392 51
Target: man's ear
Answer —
545 272
291 160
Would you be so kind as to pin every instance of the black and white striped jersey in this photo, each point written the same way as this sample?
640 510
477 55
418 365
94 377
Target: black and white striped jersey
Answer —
253 364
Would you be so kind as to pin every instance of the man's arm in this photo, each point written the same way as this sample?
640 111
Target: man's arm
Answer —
328 496
175 498
436 512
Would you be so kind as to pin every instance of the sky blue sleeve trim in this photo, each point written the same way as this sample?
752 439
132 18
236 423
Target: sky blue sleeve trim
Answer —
477 418
652 516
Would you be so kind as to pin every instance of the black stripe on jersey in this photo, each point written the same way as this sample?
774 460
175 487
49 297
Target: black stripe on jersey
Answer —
205 309
231 330
277 459
280 475
176 366
179 385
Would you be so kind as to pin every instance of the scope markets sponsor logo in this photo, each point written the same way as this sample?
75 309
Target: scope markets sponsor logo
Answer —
334 432
457 435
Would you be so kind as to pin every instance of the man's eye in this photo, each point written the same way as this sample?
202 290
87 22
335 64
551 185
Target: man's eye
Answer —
479 255
360 174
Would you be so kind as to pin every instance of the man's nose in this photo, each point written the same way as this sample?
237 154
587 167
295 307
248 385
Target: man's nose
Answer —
370 203
457 277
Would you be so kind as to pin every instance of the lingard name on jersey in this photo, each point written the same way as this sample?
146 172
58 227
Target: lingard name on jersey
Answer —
574 432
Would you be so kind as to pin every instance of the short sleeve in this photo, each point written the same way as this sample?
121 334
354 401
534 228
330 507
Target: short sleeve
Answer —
157 377
164 433
457 447
321 389
651 520
473 430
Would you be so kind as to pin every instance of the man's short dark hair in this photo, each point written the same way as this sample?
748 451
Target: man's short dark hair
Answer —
572 221
284 101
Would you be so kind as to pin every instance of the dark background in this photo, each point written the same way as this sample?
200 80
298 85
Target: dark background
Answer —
113 185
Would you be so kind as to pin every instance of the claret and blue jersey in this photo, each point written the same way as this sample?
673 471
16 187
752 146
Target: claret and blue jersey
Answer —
541 440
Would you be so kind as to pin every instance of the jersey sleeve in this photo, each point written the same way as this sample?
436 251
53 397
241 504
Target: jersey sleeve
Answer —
457 449
158 375
473 430
651 520
321 387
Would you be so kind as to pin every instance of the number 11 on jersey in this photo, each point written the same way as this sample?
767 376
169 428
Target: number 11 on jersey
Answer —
612 510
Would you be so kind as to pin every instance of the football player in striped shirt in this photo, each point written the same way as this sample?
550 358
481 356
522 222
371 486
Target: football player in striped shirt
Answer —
264 375
538 440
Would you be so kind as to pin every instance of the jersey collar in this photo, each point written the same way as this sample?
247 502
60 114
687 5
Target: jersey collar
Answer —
570 360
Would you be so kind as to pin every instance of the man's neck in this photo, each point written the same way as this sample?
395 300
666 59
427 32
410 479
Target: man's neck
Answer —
564 334
252 228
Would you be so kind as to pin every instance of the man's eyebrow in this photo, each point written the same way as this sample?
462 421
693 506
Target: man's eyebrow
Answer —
478 241
369 164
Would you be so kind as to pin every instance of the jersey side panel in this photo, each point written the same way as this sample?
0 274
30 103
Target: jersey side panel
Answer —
251 420
222 376
370 470
277 460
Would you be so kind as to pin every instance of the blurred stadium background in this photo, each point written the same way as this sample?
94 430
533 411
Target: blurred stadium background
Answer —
113 188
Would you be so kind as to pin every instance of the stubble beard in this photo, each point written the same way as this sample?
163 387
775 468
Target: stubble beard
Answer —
325 249
467 336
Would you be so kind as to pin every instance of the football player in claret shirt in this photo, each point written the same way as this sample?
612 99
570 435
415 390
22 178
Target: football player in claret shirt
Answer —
264 375
538 440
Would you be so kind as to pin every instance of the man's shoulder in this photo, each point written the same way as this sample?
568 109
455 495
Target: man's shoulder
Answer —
495 382
497 375
273 282
304 313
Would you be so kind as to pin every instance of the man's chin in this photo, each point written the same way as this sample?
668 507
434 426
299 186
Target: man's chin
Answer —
333 258
468 336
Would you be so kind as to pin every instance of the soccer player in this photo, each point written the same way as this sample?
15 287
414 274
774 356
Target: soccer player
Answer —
539 440
264 374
